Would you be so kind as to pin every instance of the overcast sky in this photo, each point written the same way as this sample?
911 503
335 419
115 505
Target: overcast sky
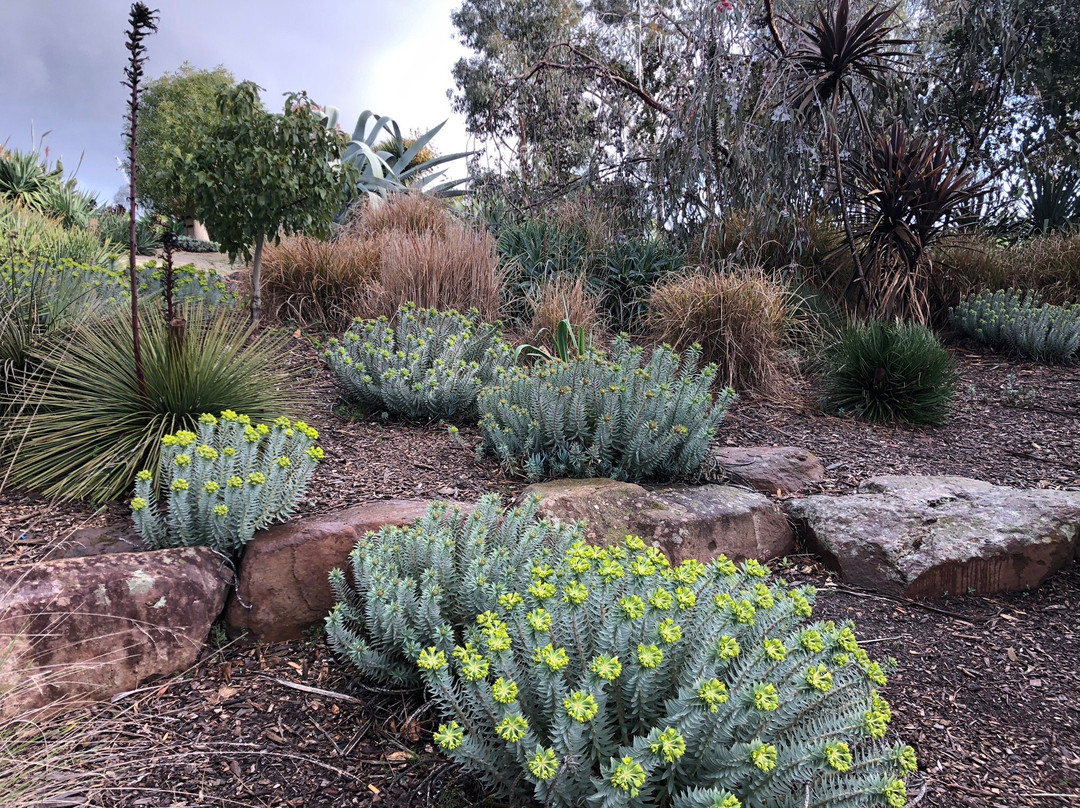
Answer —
62 61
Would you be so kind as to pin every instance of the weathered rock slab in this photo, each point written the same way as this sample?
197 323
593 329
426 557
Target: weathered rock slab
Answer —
927 536
684 521
771 469
283 587
88 628
94 541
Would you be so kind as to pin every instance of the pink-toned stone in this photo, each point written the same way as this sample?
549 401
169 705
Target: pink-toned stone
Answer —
684 521
87 628
771 469
283 587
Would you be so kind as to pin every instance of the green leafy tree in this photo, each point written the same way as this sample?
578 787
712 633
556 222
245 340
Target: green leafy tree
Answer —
173 107
256 175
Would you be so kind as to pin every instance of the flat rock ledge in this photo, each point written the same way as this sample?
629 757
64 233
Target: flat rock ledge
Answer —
775 470
88 628
927 536
283 588
684 521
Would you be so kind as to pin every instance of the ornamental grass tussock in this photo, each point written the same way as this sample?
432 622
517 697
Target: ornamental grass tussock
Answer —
605 416
423 365
571 675
1020 323
225 482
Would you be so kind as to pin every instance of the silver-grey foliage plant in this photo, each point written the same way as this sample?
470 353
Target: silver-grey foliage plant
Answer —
1009 320
225 482
601 415
574 675
424 365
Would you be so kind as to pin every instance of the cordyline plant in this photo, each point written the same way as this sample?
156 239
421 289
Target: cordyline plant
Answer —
570 675
911 192
832 52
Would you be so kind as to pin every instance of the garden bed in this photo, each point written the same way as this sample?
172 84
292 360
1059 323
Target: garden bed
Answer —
985 691
984 687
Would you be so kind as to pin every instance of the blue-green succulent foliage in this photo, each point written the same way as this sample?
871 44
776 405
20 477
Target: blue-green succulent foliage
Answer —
576 675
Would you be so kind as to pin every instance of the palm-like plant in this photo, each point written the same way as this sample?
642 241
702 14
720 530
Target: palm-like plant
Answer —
910 192
832 52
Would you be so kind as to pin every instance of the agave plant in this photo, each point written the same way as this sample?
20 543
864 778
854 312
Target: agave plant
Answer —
388 161
1052 200
911 192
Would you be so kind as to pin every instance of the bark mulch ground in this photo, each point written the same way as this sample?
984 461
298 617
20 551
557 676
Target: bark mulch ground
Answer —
985 688
1014 423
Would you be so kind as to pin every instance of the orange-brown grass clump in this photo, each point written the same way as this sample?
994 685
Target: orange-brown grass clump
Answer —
740 316
410 248
560 298
311 281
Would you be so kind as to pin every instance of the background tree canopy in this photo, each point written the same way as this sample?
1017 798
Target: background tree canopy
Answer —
173 107
686 111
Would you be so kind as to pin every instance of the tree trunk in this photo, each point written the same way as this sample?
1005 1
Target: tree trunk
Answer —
858 279
256 279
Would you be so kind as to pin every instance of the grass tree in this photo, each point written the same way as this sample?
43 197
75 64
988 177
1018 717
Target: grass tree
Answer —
257 175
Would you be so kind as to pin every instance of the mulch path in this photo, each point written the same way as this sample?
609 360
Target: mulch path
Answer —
1014 423
985 689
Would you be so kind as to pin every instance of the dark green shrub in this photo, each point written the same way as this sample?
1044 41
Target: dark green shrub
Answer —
424 365
1021 323
604 676
626 275
599 416
534 250
890 371
80 429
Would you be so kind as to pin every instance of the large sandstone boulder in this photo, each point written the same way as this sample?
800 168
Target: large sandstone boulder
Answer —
92 627
283 587
684 521
925 536
772 469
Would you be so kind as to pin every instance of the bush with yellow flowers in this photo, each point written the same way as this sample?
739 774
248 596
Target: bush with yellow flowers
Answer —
225 482
573 675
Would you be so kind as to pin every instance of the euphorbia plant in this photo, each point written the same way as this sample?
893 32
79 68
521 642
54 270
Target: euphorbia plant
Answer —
573 675
225 482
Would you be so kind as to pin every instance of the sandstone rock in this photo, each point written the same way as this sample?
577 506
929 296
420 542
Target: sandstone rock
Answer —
768 468
684 521
283 589
92 627
93 541
925 536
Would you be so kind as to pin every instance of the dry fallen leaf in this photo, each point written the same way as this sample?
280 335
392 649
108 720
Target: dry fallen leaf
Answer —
226 692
